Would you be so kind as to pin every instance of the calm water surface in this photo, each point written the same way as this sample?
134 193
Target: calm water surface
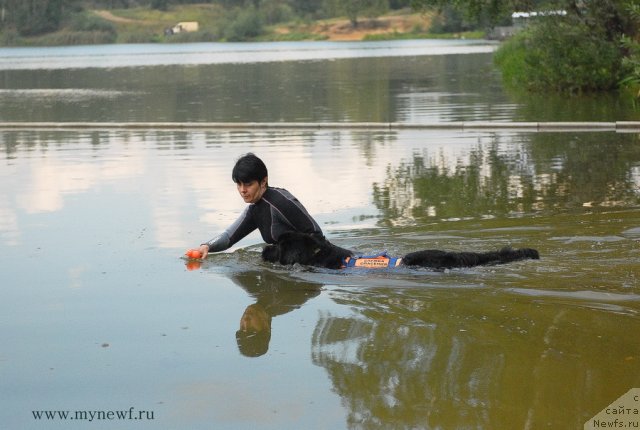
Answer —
401 81
100 313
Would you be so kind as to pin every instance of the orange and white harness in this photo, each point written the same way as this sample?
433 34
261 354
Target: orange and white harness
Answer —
378 261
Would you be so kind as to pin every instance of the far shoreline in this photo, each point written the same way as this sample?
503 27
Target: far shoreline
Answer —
134 26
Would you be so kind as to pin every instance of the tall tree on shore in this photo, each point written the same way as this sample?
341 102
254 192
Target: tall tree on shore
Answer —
34 17
577 46
356 8
160 4
490 11
305 7
614 17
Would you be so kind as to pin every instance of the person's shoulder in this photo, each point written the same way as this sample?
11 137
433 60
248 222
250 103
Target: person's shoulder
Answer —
276 191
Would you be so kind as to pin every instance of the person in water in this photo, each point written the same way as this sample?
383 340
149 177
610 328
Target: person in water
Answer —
293 236
273 211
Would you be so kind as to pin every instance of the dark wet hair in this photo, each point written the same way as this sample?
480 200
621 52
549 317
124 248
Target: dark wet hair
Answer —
253 344
249 168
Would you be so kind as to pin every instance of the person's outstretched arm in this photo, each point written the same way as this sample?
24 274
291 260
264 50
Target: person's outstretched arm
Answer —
236 231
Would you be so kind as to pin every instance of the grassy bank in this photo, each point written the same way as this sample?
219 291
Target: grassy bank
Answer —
144 25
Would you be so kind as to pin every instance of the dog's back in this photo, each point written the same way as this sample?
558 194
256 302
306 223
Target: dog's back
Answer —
438 259
301 248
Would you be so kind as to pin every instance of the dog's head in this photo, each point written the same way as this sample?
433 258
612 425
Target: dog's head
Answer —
294 247
271 253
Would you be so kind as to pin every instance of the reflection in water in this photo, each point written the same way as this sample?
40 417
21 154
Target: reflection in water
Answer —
337 90
510 176
275 295
92 222
535 344
412 88
69 95
191 54
474 359
255 331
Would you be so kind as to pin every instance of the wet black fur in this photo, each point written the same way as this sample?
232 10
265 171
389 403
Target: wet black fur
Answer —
316 251
305 249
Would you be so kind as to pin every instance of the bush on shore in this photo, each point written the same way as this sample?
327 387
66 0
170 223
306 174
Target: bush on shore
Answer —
81 28
244 24
568 55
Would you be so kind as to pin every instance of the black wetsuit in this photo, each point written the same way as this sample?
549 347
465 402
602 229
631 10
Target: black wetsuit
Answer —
277 212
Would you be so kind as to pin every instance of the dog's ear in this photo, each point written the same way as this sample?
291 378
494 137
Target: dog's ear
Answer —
271 253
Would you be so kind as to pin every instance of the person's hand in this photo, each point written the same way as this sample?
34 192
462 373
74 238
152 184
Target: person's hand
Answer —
204 249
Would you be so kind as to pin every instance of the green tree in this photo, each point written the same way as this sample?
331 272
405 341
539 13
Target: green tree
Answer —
589 46
490 11
399 4
160 4
356 8
34 17
305 7
244 24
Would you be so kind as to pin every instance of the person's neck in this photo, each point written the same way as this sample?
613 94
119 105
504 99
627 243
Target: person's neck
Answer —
262 191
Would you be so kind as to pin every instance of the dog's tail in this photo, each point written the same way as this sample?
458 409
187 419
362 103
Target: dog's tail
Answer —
446 260
507 254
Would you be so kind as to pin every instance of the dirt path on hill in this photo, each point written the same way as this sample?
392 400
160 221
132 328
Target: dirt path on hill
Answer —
111 17
333 29
345 31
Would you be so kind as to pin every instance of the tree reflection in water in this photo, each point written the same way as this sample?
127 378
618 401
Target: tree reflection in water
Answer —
529 346
515 174
474 359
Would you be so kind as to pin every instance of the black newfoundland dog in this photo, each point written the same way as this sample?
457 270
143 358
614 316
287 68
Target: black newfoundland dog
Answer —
316 251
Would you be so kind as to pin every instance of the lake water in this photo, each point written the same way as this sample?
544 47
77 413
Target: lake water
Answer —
100 314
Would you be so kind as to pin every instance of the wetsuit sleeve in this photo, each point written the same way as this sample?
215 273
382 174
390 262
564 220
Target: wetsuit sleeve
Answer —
236 231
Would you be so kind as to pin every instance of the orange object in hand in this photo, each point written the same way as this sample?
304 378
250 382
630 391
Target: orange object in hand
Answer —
193 253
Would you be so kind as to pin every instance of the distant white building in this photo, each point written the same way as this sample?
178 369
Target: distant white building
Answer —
185 27
520 20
